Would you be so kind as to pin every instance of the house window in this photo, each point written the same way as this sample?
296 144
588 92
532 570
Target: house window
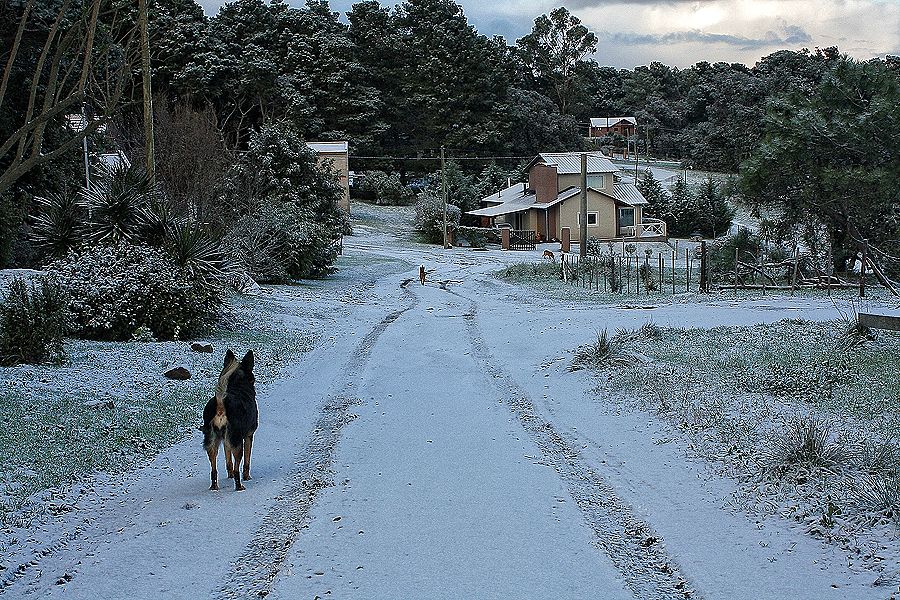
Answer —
596 181
593 219
626 217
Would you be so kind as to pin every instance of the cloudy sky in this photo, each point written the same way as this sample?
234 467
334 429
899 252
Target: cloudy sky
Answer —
682 32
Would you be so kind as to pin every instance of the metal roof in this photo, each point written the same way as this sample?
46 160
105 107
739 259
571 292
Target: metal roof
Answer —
513 205
512 191
563 195
628 193
328 147
568 163
611 121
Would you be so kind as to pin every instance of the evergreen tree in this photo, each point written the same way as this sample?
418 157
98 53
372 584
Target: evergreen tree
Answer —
657 197
715 212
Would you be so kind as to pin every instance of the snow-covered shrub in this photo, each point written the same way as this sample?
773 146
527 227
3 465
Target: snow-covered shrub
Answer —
33 320
114 290
313 251
274 245
385 189
289 202
430 216
478 237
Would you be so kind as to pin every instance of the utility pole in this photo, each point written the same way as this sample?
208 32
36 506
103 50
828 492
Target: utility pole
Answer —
582 246
148 95
636 160
444 195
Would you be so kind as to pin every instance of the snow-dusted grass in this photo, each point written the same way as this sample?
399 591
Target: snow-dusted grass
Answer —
544 278
109 407
809 425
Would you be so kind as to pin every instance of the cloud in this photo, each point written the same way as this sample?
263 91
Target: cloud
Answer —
791 35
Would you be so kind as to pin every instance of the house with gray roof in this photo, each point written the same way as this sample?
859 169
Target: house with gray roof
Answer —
551 200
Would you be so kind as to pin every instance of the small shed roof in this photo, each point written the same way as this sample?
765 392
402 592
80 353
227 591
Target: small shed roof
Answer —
329 147
611 121
568 163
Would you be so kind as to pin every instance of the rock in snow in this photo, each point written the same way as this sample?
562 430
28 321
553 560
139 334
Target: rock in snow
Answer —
201 347
179 373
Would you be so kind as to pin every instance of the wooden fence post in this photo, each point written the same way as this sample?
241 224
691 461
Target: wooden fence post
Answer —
687 270
674 256
736 256
794 274
662 266
862 269
704 275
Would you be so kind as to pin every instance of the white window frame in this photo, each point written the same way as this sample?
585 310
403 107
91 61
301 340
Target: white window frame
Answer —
592 179
633 216
596 219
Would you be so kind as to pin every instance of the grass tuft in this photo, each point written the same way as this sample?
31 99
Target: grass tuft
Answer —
807 442
605 352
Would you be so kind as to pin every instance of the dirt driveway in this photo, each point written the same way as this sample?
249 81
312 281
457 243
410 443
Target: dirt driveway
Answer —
437 446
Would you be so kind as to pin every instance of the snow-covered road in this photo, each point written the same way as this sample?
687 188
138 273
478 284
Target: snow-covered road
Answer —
436 446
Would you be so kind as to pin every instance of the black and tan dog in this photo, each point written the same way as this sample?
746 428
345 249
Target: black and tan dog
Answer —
231 418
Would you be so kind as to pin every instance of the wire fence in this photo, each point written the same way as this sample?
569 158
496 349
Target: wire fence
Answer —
703 271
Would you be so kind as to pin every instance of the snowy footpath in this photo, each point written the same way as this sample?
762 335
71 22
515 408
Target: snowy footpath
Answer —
436 446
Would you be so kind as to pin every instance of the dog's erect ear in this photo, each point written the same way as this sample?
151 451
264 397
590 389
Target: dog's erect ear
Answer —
247 362
229 358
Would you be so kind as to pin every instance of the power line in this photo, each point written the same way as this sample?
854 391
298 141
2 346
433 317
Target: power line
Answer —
438 158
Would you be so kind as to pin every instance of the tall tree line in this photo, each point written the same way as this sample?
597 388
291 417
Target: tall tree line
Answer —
404 80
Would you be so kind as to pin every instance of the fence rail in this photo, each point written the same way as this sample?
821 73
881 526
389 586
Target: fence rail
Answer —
645 273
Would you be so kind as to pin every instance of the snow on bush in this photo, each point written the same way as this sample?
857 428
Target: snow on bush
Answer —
115 290
33 321
430 216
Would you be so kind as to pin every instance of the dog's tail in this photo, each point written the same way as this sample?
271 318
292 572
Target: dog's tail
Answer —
222 385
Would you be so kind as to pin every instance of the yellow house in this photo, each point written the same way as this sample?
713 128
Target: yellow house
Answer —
551 200
338 155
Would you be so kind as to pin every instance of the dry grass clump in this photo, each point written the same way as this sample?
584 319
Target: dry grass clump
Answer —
807 441
605 352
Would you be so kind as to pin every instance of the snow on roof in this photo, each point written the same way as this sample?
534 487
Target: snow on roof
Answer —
628 193
522 201
114 159
515 204
517 189
328 147
664 176
568 163
79 123
611 121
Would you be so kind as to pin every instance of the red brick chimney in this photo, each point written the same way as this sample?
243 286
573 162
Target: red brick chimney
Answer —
544 181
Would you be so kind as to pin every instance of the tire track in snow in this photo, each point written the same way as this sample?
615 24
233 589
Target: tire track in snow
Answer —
253 573
637 552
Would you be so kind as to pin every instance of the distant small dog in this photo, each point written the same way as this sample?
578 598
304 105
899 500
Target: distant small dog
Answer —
422 274
231 418
548 254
